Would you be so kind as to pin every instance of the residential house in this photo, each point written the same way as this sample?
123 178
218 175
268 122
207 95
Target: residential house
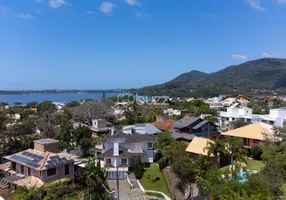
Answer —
189 127
253 134
276 117
99 126
171 112
215 103
121 151
141 128
34 167
198 146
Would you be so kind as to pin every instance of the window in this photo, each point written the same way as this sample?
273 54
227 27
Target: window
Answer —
150 145
271 122
67 170
246 141
22 169
14 166
248 120
52 171
233 119
108 161
256 141
123 161
29 171
227 119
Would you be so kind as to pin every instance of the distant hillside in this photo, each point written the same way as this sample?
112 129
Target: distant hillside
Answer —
192 76
258 76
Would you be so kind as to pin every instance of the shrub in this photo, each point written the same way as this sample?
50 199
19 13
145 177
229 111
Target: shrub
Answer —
256 152
139 170
161 163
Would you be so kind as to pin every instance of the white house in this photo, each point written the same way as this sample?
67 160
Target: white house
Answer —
171 112
123 150
215 102
276 117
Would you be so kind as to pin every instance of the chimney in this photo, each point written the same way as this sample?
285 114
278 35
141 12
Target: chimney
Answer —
115 149
49 145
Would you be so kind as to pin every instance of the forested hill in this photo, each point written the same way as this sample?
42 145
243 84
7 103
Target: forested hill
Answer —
256 76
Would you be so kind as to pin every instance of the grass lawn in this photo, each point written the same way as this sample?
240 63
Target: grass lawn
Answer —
256 165
159 185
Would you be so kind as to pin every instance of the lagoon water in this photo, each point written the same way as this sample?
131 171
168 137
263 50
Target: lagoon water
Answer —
24 98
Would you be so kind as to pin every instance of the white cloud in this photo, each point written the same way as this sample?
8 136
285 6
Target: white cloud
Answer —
39 1
25 16
255 4
132 2
142 14
90 12
107 7
239 57
280 1
39 11
58 3
3 10
270 54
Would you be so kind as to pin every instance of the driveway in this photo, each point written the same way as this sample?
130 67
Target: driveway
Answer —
124 188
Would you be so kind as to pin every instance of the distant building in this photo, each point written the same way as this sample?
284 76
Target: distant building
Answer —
276 117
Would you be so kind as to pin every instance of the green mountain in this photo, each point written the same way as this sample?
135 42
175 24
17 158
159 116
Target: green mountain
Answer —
262 76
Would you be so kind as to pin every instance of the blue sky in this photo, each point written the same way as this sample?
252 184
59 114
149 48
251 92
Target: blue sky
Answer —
102 44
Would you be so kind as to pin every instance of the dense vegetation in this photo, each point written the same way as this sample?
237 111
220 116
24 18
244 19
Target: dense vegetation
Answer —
257 76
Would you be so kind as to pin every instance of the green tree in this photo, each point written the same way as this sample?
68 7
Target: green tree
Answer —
46 106
215 149
32 104
72 104
238 124
94 177
236 151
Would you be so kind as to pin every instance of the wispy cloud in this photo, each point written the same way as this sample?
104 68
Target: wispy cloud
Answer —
142 14
255 4
39 11
107 7
280 1
239 57
3 10
132 2
25 16
90 12
270 54
39 1
58 3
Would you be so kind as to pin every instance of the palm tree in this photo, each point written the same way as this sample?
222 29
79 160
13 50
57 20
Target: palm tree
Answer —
215 149
94 176
236 152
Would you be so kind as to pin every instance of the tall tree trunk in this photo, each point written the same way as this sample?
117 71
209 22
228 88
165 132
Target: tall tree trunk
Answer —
218 160
232 164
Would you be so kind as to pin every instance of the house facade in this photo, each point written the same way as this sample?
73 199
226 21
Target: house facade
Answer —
141 128
253 134
189 127
121 151
41 164
276 117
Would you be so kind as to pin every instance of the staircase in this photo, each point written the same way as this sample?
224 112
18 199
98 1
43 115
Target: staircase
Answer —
135 192
133 180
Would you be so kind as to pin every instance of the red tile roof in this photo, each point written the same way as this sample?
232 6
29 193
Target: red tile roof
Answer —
164 126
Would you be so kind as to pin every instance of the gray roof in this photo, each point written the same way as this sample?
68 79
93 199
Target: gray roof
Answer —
131 138
199 125
122 153
186 121
179 135
46 141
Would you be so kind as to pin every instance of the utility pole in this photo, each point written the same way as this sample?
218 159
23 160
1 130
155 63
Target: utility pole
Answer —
117 176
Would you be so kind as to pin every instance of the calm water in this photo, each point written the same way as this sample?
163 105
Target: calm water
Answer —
24 98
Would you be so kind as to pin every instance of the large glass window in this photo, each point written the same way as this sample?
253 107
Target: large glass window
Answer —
52 171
